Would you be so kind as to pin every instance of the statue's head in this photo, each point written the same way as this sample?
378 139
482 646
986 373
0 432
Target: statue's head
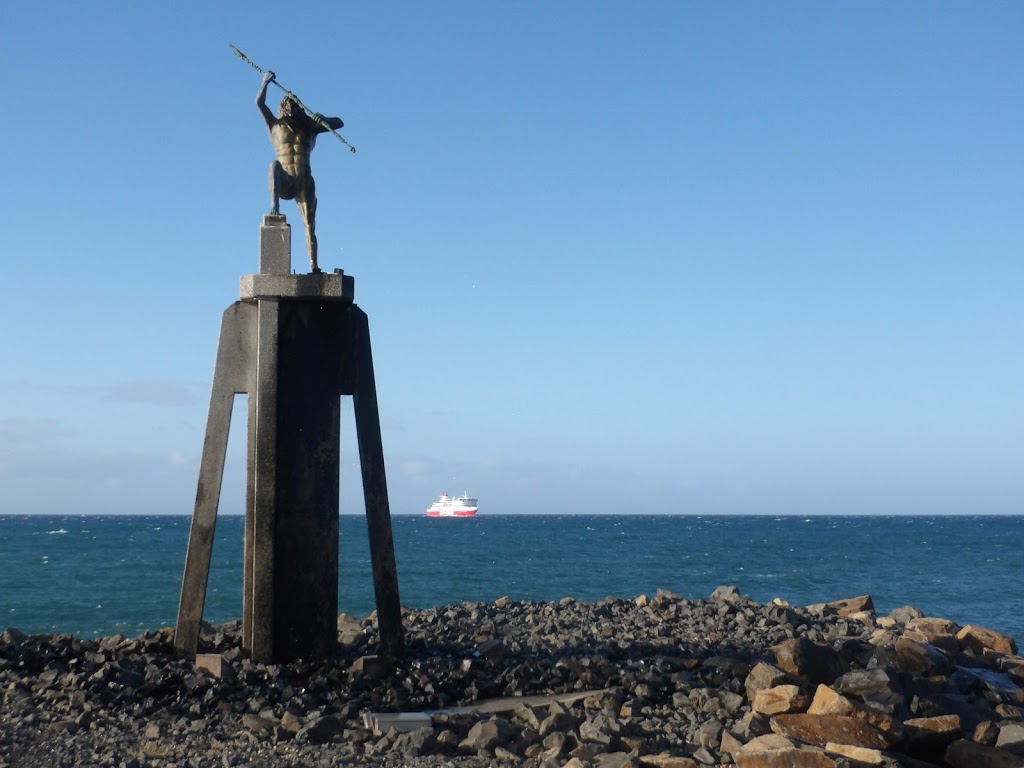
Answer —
288 107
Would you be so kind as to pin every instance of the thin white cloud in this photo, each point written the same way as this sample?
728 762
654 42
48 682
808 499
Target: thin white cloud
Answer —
156 391
19 431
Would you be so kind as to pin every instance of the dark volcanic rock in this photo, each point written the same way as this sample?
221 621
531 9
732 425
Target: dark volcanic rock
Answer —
662 682
809 661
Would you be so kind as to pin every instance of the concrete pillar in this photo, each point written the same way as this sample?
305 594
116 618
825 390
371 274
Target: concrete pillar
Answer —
295 344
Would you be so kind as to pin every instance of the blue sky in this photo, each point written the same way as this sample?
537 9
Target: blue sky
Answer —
617 257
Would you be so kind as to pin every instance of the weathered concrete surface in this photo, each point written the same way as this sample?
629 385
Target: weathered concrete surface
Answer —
325 286
275 246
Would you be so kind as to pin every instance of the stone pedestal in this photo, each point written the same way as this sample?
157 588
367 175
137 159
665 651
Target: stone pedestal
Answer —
275 246
295 344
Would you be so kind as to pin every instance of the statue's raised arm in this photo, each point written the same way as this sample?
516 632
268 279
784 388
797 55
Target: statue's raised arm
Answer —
261 99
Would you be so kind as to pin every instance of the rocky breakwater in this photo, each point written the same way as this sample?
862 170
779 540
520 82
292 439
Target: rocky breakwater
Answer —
661 682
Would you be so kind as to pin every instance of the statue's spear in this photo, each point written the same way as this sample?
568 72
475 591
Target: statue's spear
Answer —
292 96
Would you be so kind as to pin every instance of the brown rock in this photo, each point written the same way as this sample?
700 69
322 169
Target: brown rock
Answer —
632 743
938 632
977 639
986 732
257 723
501 602
631 708
819 730
928 737
730 743
828 702
216 665
867 618
764 676
780 700
667 761
940 724
846 607
860 754
970 754
816 663
920 658
292 723
768 741
883 638
614 760
774 751
947 643
1011 665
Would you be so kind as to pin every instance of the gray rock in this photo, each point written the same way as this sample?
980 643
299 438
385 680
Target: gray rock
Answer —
864 681
728 594
416 743
808 661
321 730
1011 738
710 734
905 614
614 760
487 735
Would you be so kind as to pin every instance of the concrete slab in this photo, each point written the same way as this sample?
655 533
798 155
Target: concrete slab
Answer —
321 286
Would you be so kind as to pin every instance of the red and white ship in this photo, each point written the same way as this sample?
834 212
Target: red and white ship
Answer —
446 506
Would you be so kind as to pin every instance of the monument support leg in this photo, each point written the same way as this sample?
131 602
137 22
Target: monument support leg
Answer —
248 560
308 477
229 377
260 602
375 491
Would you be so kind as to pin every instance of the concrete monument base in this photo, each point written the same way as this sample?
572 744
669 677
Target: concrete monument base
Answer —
295 344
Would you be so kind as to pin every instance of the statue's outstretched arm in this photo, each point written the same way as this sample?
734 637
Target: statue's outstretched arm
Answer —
325 124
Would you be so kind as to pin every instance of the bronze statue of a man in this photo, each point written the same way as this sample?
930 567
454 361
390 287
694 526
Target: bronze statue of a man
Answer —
293 135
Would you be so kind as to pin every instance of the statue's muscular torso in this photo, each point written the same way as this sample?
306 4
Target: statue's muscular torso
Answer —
292 144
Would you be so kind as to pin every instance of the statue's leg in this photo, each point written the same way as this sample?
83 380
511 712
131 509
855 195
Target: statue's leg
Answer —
307 207
276 179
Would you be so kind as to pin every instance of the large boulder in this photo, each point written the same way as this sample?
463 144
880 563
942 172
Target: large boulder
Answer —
977 639
764 676
774 751
781 699
808 661
968 754
819 730
928 737
846 608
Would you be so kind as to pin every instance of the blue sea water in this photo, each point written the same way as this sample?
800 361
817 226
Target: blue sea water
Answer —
96 575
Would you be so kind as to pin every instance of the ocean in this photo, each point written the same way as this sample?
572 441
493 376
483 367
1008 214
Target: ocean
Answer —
100 575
